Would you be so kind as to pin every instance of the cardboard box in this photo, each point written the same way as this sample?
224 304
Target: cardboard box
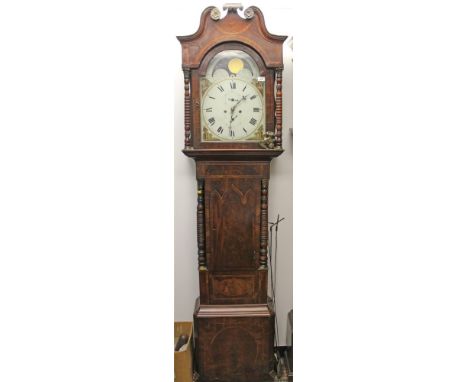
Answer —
183 360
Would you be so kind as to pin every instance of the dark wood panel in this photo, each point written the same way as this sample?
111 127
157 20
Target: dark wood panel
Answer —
210 169
203 279
251 32
236 348
232 154
242 289
233 203
235 288
233 222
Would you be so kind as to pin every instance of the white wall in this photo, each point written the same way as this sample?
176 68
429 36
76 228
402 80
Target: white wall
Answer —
279 21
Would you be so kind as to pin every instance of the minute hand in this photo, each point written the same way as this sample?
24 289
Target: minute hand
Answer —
238 102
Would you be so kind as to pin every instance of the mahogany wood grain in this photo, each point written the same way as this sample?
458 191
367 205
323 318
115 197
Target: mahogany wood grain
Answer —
234 343
235 213
251 32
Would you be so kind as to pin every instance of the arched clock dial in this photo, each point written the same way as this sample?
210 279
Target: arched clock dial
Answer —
232 109
232 99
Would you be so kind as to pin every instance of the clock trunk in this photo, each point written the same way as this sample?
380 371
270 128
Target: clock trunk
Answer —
234 224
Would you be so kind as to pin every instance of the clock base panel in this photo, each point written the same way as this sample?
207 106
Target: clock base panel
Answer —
234 343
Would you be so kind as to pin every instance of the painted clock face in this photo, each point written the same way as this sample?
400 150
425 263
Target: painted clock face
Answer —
232 99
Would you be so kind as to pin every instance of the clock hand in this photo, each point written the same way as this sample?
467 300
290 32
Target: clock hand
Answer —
238 102
230 122
232 111
231 119
234 108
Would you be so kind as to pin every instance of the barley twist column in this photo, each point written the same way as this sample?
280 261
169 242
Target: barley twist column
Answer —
279 109
187 110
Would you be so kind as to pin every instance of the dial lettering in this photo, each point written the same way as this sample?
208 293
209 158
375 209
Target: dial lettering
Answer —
220 88
211 121
233 85
210 109
256 110
253 121
220 129
254 96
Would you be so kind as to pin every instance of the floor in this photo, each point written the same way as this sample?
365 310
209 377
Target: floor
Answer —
284 375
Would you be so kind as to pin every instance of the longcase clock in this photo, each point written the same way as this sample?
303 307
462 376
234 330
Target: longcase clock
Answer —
232 128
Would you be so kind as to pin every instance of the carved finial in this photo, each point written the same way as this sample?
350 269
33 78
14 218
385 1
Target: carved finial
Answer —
215 14
249 13
233 7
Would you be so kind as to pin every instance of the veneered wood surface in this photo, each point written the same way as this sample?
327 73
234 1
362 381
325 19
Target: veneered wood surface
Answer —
232 27
232 225
233 154
242 168
233 222
234 344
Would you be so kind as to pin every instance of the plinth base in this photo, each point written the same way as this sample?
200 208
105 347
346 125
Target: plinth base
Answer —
234 343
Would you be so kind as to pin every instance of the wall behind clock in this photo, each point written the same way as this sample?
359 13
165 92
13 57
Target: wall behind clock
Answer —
279 20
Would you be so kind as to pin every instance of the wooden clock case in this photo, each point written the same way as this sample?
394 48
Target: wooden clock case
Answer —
233 317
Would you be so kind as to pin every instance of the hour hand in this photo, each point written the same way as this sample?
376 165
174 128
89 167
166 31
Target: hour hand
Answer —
233 117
